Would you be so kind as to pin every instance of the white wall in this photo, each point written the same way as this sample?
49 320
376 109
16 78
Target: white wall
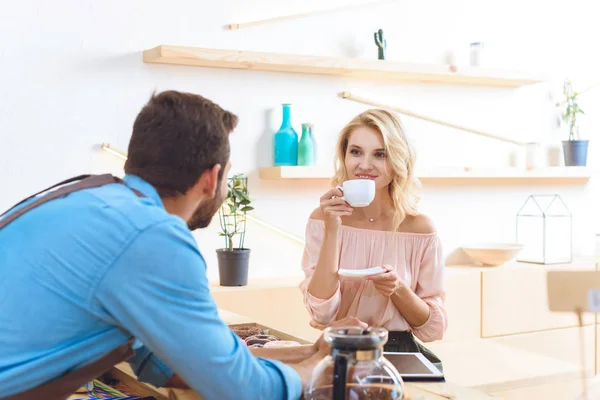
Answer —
72 78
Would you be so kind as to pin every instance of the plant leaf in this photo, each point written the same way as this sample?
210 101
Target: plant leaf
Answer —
238 194
247 208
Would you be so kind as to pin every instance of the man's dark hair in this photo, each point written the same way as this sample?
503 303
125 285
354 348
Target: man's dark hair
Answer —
176 137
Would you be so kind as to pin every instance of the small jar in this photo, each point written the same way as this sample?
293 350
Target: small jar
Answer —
476 54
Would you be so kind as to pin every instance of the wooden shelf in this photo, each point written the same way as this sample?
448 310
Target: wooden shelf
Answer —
348 67
315 172
451 175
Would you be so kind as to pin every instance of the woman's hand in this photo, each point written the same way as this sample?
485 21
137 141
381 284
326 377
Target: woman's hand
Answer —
386 283
317 325
333 208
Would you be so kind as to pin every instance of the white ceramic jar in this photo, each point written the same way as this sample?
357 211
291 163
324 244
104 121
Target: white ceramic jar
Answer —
476 54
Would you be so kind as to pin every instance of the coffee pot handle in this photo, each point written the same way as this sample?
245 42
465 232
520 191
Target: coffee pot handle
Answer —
339 377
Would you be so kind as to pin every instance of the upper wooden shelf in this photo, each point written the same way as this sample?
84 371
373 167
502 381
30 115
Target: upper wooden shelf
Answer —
349 67
451 175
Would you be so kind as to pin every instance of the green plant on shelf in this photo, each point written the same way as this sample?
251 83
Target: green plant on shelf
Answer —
232 213
572 109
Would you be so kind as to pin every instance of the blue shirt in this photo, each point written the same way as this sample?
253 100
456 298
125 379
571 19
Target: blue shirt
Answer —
80 274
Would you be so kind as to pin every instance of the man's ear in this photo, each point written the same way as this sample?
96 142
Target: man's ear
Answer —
208 181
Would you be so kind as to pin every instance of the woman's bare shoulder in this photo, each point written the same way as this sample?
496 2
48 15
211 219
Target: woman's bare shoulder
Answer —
419 223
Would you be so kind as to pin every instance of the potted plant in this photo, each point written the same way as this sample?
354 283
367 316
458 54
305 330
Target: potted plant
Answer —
233 259
574 149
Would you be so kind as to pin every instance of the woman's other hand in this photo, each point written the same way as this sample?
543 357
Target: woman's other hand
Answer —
386 283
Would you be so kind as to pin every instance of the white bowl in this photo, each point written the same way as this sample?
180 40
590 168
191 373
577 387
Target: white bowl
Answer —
493 253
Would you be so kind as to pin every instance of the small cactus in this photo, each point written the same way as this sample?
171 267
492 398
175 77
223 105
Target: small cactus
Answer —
381 44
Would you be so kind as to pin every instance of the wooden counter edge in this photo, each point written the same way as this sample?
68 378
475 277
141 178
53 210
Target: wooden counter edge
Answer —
431 391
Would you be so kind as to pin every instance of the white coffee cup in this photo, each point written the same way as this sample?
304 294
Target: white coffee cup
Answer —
358 192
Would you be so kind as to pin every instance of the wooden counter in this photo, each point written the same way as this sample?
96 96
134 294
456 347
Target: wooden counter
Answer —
421 391
494 367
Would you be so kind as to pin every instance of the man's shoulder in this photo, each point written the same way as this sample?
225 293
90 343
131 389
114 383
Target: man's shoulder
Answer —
124 205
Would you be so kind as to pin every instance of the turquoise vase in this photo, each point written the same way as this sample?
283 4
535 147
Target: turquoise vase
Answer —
286 141
306 147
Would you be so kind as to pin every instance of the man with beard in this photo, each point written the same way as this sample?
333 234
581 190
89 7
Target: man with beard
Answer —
88 274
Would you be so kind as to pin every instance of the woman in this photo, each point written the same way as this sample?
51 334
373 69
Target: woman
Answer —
408 299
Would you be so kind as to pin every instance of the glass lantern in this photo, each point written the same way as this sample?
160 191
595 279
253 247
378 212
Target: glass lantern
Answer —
544 228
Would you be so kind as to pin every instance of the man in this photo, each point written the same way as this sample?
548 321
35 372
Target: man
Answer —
81 274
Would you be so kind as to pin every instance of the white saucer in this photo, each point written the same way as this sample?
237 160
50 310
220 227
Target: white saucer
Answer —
360 273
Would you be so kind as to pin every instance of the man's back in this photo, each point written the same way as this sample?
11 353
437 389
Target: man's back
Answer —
52 259
79 274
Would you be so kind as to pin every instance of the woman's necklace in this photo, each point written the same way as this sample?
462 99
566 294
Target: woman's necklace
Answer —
380 214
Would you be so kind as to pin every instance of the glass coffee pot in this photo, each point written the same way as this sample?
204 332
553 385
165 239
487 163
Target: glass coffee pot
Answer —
355 368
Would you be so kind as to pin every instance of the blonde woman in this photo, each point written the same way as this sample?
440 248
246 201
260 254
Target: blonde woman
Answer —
408 299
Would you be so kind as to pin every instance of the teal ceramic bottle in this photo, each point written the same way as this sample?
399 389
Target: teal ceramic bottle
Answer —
314 142
285 141
306 148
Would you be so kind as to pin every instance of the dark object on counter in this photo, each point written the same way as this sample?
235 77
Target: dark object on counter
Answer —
405 342
246 331
260 340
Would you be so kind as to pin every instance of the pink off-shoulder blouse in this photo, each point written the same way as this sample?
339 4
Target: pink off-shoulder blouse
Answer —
418 261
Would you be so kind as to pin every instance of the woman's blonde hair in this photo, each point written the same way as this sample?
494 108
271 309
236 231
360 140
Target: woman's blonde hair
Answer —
404 185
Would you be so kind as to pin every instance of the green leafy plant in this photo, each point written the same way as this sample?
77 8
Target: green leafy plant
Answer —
232 213
571 110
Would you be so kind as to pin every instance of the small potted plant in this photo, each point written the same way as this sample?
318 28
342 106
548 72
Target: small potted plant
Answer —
574 149
233 259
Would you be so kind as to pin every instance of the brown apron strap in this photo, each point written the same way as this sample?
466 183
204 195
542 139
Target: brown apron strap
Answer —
77 178
66 385
84 182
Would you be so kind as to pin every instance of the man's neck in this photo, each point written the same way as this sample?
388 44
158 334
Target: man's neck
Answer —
179 206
